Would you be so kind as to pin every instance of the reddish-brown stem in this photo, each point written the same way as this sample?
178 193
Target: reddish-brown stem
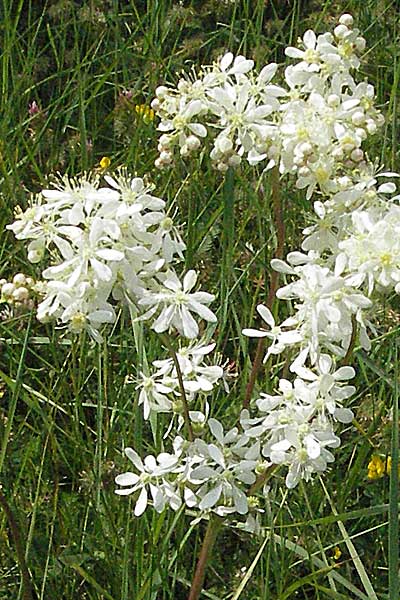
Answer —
262 479
280 235
352 343
213 527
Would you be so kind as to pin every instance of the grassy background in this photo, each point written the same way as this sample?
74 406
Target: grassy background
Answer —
66 411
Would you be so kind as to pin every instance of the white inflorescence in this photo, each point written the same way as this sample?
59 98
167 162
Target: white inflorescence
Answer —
117 243
108 244
313 128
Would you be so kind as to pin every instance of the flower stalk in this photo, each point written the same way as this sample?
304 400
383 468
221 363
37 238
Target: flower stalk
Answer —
280 235
213 527
185 405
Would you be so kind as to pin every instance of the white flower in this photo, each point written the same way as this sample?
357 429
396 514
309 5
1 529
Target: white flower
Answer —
177 304
152 477
154 393
280 339
328 388
226 465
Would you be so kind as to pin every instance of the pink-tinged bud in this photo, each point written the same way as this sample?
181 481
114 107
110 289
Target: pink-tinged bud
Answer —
33 108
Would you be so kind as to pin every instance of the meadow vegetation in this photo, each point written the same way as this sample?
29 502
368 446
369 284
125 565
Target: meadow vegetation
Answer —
77 80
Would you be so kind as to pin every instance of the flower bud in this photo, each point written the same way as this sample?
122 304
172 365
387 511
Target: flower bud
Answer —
357 155
338 153
193 143
360 44
35 255
7 290
222 167
166 157
306 148
234 160
164 141
333 100
340 31
346 19
361 133
224 144
161 92
19 279
20 294
371 127
358 118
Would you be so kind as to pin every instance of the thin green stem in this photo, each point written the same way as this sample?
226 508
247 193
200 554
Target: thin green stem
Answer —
17 384
26 579
280 235
394 584
228 236
181 386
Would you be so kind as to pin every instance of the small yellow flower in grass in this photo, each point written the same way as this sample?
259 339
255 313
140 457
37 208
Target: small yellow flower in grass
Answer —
377 467
145 112
337 553
105 162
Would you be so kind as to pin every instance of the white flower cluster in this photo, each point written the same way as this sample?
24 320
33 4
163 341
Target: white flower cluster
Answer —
117 243
331 291
160 391
312 126
228 97
108 244
209 476
351 250
314 129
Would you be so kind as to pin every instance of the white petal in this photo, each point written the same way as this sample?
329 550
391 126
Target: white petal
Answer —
216 429
266 314
344 373
254 333
141 503
135 458
226 60
189 281
127 478
216 454
211 498
189 325
110 254
309 39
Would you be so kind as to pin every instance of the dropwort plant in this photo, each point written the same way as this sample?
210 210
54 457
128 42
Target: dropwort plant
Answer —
116 245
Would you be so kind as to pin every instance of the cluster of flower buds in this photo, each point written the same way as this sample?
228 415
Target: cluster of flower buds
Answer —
18 293
313 125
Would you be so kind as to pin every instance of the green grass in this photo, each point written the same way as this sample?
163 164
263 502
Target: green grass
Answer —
66 410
